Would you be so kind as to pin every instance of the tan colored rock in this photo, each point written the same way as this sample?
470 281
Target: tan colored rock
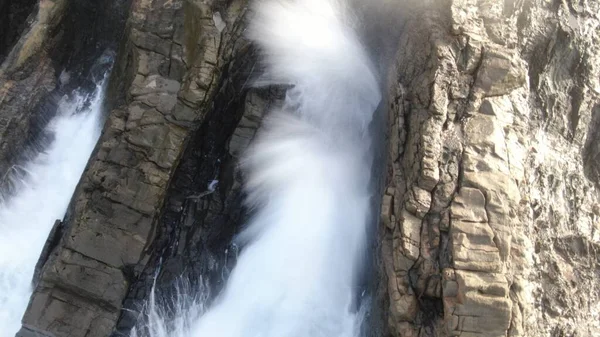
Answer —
469 205
490 220
501 71
419 202
49 16
498 117
387 206
409 234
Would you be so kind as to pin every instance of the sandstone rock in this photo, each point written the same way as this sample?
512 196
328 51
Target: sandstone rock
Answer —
501 71
408 233
491 112
419 202
197 227
489 220
387 206
469 205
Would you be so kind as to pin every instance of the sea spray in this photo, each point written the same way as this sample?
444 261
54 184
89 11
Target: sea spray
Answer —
307 177
173 315
42 195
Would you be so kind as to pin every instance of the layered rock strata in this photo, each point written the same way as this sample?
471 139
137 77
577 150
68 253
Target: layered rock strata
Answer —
489 218
490 222
49 49
27 76
175 66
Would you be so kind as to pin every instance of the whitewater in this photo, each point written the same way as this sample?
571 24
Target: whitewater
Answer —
43 191
307 180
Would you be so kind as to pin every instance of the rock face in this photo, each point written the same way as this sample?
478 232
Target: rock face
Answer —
41 41
13 20
490 213
26 76
490 217
204 202
140 192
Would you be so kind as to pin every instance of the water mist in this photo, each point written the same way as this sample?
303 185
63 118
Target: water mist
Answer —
307 179
42 195
307 174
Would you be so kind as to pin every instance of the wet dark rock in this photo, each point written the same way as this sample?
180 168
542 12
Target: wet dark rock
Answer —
123 221
490 196
197 226
64 46
14 15
51 243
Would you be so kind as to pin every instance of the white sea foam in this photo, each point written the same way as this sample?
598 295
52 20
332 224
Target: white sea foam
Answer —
307 177
42 197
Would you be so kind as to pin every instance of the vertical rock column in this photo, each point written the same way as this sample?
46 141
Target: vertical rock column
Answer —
170 65
488 218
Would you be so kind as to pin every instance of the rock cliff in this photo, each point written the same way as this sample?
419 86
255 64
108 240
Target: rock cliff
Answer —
490 216
142 203
490 211
47 49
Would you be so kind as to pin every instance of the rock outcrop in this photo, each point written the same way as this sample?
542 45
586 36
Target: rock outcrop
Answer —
13 20
141 188
489 220
204 203
490 213
42 41
26 78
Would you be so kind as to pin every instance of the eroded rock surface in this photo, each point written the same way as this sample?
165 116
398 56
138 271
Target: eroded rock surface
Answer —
176 63
48 49
490 218
26 77
13 20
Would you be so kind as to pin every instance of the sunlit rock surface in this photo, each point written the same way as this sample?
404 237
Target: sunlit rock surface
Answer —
493 112
490 213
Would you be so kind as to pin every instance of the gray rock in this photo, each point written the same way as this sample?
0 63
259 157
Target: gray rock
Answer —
491 206
113 218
